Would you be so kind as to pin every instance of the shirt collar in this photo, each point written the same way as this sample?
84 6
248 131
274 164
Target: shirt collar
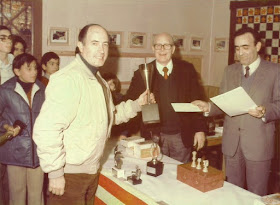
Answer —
253 66
160 67
10 62
91 67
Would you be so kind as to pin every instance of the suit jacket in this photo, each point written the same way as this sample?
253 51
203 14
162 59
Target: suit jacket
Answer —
187 84
255 136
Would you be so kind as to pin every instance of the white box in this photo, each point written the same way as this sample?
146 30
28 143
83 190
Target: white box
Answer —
130 141
143 149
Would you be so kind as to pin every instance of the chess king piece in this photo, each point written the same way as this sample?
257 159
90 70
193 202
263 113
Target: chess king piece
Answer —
193 159
135 177
9 135
117 170
155 167
150 111
198 163
205 165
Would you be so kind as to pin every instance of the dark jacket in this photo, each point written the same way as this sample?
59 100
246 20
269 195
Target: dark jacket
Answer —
188 88
20 150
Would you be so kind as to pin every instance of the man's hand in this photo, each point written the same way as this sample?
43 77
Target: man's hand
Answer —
258 112
199 140
143 98
57 185
202 105
12 130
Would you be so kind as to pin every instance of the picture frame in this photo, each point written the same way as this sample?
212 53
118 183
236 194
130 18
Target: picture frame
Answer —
221 45
58 36
137 40
179 42
196 43
115 38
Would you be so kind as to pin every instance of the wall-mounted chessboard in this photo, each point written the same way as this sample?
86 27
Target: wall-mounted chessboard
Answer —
262 16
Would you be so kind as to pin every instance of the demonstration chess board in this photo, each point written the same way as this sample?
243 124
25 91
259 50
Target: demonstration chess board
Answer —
266 20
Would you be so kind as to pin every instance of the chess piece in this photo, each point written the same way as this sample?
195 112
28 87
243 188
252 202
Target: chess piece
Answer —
135 177
117 170
198 163
205 165
193 159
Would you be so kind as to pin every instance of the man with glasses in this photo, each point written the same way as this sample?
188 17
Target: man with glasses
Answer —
6 72
173 81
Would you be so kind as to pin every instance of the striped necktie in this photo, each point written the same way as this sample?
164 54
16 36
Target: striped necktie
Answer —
247 74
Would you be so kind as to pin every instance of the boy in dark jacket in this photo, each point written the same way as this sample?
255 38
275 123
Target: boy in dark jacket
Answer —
21 99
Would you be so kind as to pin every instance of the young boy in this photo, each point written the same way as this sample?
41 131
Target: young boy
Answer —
50 64
21 99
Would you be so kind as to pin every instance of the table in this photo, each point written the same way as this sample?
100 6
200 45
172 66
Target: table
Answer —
164 189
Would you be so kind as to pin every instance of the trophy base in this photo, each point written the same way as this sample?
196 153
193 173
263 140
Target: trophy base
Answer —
154 168
150 113
119 173
133 180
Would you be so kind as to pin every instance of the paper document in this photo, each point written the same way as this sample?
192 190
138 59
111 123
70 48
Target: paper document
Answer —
185 107
234 102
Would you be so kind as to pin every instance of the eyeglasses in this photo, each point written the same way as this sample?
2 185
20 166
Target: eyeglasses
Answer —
165 46
5 38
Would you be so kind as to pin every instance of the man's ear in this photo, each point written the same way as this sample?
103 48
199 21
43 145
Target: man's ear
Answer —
259 46
16 71
173 49
80 46
44 66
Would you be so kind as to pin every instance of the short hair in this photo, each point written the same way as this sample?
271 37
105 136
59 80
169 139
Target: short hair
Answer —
5 28
18 39
111 76
48 56
84 31
23 58
255 34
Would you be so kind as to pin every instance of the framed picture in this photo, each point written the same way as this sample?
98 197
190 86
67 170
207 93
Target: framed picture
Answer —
221 45
115 38
179 42
137 40
196 44
59 36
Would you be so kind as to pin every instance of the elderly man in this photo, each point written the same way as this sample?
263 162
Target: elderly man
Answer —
173 81
76 119
248 140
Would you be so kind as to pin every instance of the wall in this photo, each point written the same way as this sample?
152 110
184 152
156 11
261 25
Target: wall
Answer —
206 19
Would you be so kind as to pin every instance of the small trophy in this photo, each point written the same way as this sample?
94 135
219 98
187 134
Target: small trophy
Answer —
150 111
117 170
155 167
135 177
8 135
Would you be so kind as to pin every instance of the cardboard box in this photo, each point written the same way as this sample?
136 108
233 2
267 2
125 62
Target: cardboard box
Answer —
198 179
143 149
130 141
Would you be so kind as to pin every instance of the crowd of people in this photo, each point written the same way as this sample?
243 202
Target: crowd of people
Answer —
69 114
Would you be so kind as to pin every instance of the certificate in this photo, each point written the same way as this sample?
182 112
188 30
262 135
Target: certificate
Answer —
185 107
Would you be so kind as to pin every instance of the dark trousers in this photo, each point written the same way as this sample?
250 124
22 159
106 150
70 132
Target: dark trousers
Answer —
79 190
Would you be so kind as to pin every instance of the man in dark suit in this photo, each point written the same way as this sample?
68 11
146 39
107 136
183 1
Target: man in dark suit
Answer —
180 84
248 140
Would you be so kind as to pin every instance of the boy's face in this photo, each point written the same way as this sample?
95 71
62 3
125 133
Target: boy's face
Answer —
27 73
51 67
19 49
5 41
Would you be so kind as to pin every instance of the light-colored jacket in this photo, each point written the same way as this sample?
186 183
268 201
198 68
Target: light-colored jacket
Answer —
73 124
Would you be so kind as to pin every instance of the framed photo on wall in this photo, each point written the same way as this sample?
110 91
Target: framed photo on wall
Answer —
221 45
137 40
115 38
179 42
196 44
59 36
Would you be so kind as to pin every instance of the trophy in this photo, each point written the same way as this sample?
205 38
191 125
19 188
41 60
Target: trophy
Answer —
150 112
9 135
155 167
117 170
135 177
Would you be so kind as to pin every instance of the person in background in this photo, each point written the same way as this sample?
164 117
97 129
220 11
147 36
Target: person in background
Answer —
248 140
21 98
6 72
19 46
76 119
49 64
173 81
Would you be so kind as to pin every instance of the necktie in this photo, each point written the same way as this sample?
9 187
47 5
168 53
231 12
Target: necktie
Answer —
165 70
247 72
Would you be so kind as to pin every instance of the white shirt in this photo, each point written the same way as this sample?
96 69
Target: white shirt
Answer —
253 66
6 70
160 68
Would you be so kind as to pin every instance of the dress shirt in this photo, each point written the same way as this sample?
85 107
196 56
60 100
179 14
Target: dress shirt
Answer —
6 70
253 66
160 68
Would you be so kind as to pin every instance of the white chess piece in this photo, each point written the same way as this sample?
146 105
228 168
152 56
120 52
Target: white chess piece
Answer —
205 165
198 163
193 159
